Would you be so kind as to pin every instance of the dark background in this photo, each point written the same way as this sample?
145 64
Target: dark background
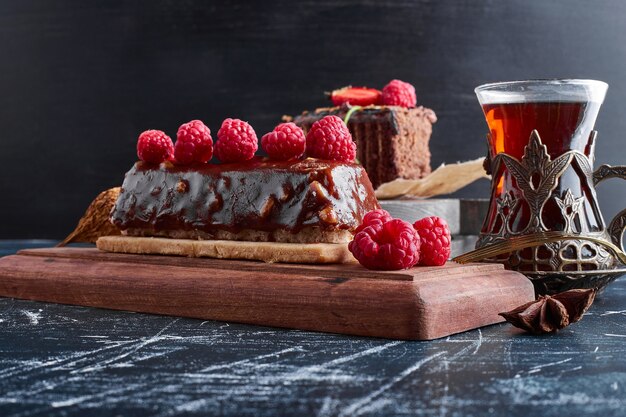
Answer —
80 80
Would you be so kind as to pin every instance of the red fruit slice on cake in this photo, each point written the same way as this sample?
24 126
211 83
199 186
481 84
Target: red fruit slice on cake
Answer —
356 96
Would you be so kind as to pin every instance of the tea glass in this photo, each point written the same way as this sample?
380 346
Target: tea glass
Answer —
543 203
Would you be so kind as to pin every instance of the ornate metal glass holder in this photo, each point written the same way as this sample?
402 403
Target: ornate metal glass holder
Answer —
553 234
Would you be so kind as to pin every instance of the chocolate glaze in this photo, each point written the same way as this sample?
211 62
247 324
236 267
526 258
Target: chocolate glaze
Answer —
258 195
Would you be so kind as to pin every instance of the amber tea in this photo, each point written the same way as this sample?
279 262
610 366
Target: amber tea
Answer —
562 126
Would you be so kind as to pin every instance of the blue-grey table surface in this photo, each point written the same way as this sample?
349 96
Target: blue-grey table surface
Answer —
58 360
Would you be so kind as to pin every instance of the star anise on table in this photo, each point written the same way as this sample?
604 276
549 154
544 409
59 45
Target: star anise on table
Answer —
551 313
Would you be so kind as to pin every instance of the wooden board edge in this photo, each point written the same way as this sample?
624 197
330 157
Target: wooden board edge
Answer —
370 308
516 290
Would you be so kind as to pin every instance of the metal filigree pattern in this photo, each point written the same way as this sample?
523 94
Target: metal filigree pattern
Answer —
506 208
570 208
607 171
618 225
537 176
616 229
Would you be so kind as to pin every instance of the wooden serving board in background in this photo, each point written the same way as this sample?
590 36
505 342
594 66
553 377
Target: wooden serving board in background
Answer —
420 303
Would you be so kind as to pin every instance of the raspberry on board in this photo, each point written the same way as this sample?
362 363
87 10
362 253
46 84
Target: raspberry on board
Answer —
399 93
236 141
193 143
285 142
154 146
372 217
390 245
329 138
435 235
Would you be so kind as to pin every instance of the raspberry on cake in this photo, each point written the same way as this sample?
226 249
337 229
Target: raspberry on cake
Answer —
329 138
285 142
154 146
236 142
193 143
399 93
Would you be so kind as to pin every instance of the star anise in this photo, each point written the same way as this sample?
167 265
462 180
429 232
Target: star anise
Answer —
551 313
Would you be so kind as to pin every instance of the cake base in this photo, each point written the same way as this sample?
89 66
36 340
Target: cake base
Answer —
308 253
419 303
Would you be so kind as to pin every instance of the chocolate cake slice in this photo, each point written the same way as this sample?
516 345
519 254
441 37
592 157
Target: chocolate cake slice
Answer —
391 141
309 201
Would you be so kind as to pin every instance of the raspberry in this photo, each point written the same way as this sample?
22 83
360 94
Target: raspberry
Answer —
285 142
357 96
375 216
399 93
237 141
154 146
435 235
193 143
391 245
329 138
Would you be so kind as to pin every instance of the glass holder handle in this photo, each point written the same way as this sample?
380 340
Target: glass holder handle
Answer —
618 225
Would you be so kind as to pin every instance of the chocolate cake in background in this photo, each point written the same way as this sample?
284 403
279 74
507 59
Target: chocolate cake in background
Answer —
392 141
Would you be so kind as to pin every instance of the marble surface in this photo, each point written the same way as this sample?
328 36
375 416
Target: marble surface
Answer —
58 360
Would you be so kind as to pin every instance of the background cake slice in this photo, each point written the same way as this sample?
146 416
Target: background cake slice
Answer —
392 141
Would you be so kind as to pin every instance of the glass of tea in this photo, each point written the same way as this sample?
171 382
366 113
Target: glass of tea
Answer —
563 112
540 155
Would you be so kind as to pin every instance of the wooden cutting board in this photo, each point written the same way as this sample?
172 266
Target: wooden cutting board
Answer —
421 303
